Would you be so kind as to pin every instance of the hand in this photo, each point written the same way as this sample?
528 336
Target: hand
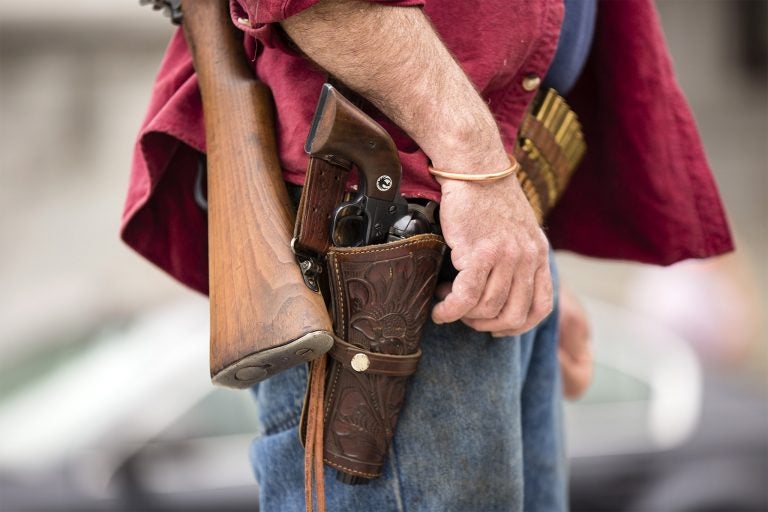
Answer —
574 351
503 284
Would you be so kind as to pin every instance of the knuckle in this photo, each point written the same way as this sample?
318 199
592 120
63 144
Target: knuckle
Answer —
468 303
473 291
495 303
508 247
529 253
540 312
546 306
466 298
548 286
461 303
540 237
484 266
540 245
486 255
515 320
487 310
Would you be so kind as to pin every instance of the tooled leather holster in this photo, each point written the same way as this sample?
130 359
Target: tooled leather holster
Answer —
378 279
379 298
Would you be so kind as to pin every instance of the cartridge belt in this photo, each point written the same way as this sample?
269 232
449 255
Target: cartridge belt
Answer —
550 144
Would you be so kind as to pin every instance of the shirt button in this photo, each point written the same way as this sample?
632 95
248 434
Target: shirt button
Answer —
531 83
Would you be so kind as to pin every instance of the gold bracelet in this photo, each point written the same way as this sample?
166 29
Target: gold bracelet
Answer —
512 169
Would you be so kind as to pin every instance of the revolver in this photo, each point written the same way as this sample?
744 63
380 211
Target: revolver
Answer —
345 136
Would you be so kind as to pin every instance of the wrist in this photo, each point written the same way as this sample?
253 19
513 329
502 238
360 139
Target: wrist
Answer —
508 186
473 150
463 165
462 136
473 165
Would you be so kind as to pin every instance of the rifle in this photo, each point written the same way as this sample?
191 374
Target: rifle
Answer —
264 319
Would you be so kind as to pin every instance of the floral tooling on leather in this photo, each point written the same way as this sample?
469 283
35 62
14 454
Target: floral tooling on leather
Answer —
386 305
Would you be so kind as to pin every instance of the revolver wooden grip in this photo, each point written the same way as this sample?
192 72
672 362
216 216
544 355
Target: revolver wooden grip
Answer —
341 131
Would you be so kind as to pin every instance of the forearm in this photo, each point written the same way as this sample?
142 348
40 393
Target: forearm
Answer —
393 57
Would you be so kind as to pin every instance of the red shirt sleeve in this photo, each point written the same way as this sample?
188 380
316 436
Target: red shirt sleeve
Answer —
269 11
255 16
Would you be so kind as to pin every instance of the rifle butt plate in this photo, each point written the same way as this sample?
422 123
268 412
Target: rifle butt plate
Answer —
262 365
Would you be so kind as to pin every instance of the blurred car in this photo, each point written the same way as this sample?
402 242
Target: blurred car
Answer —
656 432
132 423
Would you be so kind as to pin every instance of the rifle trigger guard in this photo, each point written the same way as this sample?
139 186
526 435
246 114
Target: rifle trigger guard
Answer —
309 266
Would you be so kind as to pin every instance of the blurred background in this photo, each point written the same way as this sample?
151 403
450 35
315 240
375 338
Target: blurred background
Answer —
105 402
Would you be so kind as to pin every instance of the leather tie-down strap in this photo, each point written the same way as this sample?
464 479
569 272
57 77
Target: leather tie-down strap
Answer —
381 300
313 435
360 360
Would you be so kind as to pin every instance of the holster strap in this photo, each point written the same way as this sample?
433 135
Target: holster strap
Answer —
378 364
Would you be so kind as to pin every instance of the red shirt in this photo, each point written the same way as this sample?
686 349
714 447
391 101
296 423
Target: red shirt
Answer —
644 192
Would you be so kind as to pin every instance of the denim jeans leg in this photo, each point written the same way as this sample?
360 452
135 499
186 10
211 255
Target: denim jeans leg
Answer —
543 441
479 431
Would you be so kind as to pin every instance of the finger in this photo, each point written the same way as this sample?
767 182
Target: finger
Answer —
574 338
465 293
576 373
515 312
542 302
543 298
573 324
495 295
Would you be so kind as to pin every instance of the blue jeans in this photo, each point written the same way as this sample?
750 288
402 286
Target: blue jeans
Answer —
480 431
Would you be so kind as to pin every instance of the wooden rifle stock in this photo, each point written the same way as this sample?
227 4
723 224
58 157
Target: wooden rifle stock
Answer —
264 319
